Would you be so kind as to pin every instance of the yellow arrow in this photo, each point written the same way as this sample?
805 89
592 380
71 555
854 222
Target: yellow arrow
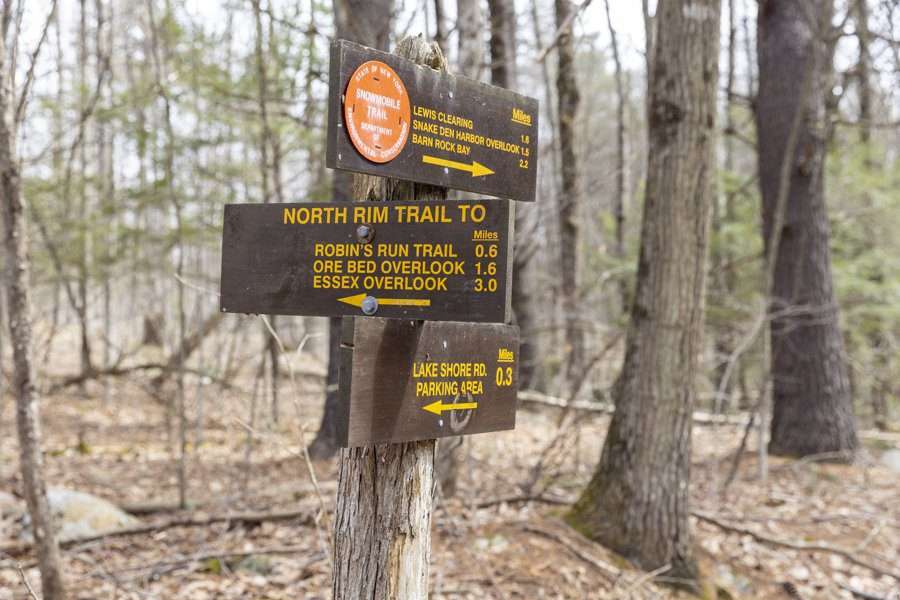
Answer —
439 407
357 301
476 168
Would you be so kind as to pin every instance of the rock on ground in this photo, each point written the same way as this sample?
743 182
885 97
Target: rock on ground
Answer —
79 514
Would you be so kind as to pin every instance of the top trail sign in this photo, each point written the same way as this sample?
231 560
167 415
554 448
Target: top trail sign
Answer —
390 117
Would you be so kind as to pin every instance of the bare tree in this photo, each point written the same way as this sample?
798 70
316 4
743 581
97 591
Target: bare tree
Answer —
503 42
637 501
28 423
621 105
812 407
568 98
440 27
160 79
267 139
469 31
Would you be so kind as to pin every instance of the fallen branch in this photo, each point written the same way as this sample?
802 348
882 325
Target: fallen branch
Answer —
170 565
611 572
541 399
522 499
26 583
849 555
305 517
124 371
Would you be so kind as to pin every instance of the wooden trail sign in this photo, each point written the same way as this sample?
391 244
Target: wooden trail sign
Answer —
404 380
390 117
441 260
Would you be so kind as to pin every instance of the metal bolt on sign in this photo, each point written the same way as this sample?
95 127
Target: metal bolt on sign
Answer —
369 305
365 233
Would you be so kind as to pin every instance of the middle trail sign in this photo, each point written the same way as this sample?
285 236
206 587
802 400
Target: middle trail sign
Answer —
390 117
446 260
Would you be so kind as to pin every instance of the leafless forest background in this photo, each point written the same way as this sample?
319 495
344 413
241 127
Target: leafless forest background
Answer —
154 447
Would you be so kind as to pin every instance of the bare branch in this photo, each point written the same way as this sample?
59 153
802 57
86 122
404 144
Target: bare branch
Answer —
566 26
29 76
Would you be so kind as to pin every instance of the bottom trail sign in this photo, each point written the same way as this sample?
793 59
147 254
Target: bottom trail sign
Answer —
411 380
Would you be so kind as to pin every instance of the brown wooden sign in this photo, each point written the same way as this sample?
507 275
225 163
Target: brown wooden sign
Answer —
391 117
443 260
406 380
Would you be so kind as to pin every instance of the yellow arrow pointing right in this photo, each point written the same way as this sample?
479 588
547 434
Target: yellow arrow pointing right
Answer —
439 407
476 168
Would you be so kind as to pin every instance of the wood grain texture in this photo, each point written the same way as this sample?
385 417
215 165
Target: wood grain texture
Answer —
382 528
384 364
270 266
489 108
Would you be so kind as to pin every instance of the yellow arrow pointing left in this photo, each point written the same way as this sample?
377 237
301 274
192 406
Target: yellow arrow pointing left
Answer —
476 168
439 407
357 300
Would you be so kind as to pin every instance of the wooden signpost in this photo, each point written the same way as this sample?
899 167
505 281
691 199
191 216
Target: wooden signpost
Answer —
404 380
442 260
427 353
390 117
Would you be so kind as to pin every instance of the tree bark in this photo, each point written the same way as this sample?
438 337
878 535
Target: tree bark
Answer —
619 200
84 233
366 22
28 424
469 29
503 43
382 540
723 274
568 99
812 405
637 500
440 29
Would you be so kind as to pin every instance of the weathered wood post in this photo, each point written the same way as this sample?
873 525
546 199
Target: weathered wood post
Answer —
382 525
428 281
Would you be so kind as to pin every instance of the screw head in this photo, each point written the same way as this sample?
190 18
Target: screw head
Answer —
365 233
369 305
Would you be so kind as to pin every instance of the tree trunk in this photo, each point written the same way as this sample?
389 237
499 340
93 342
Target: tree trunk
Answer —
503 42
84 233
325 445
382 540
366 22
637 501
568 99
878 385
19 315
619 200
469 29
812 405
440 30
383 522
723 274
267 138
160 74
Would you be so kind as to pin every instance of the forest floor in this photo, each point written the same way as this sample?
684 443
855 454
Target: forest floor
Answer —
813 530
